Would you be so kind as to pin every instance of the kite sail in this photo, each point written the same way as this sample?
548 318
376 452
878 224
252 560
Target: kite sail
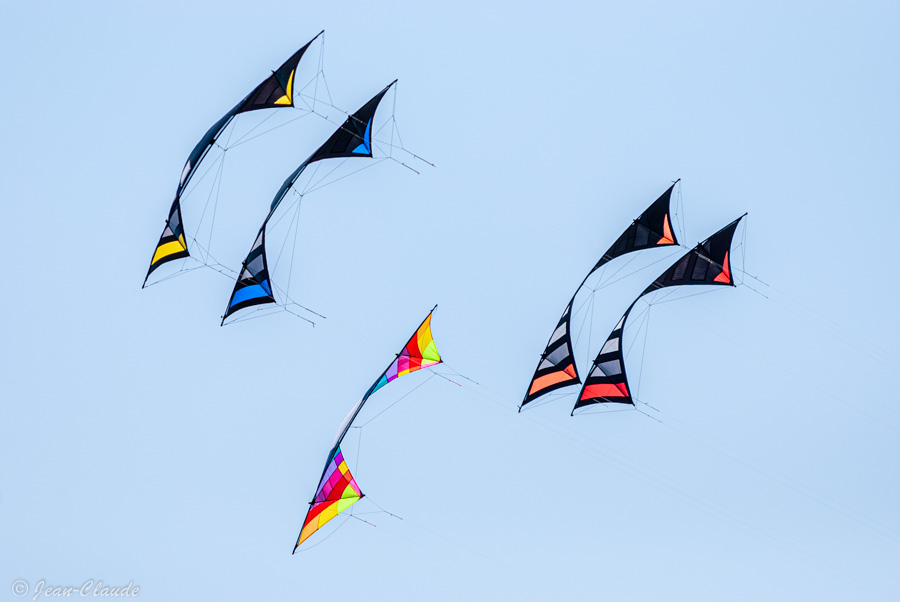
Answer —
352 139
707 263
556 369
276 91
337 488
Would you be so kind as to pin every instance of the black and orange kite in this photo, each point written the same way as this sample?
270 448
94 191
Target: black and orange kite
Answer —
556 369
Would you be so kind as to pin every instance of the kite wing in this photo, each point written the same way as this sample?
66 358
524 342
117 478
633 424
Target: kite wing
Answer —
276 91
352 139
337 491
707 263
556 369
337 488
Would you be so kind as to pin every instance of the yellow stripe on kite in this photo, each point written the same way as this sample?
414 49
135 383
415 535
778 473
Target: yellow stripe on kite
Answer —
328 513
287 99
170 248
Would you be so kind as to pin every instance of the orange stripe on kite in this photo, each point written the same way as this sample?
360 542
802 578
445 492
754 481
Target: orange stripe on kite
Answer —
549 379
725 276
667 238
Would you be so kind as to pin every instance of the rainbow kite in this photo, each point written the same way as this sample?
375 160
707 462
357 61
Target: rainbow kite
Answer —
337 488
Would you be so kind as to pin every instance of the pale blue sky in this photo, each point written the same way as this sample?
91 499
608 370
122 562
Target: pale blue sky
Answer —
143 442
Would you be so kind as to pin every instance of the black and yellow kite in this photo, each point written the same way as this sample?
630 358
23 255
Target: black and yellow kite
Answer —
276 91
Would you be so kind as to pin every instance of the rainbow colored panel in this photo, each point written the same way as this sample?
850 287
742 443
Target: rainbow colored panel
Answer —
420 352
337 491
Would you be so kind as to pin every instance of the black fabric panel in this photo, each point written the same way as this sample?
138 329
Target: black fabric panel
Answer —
275 86
174 220
283 73
655 216
645 232
680 268
620 247
700 269
641 235
264 96
709 255
352 133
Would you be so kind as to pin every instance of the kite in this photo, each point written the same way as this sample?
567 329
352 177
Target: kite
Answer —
337 488
556 369
276 91
352 139
707 263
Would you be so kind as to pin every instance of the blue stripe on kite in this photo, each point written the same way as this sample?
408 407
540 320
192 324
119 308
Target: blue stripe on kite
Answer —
382 382
366 145
254 291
